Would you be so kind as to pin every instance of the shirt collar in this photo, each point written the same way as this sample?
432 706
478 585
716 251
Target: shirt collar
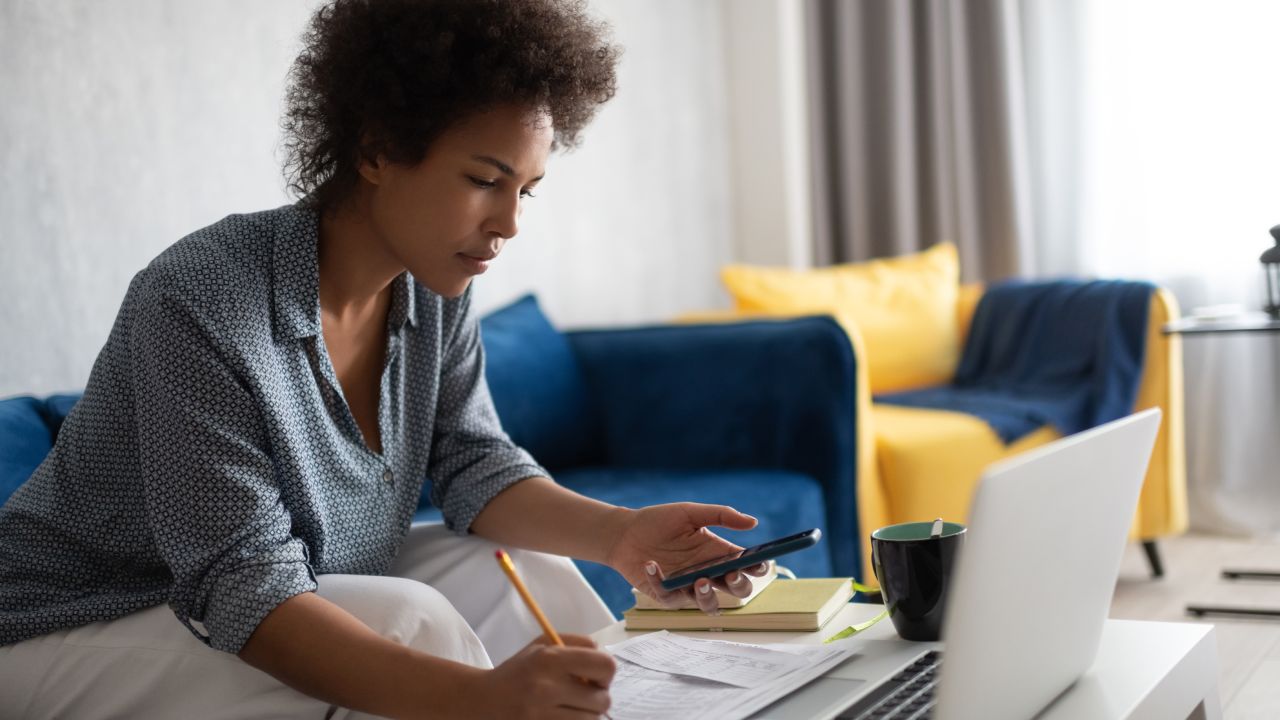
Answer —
296 274
403 305
296 280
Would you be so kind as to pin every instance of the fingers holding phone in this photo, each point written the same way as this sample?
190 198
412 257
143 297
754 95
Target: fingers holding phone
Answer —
725 572
736 583
659 544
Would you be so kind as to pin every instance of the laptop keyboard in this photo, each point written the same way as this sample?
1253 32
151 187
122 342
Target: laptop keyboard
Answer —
909 695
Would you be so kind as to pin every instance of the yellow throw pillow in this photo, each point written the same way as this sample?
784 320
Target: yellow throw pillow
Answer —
905 308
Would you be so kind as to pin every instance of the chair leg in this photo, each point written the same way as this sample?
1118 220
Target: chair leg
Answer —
1153 558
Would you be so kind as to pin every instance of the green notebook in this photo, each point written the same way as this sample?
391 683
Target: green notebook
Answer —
786 605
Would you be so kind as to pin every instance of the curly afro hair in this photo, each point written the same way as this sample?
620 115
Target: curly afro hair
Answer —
387 77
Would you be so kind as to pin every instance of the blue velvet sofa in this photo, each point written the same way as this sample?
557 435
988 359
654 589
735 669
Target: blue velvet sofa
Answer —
758 415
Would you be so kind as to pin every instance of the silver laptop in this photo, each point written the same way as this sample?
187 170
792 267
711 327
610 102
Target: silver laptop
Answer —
1032 589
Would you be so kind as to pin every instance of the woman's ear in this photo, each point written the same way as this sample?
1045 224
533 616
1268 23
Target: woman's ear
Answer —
372 170
371 160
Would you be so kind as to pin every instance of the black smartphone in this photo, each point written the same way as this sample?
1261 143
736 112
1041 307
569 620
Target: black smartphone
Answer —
742 559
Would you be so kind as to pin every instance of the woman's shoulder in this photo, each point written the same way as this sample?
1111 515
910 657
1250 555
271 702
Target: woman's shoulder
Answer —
237 265
236 249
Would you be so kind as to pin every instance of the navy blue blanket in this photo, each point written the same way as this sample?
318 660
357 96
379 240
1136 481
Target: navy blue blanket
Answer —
1065 353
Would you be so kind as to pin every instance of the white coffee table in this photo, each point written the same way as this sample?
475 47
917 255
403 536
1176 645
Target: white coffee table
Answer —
1144 670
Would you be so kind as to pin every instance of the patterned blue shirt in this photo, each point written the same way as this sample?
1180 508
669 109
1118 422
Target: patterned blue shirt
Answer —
213 464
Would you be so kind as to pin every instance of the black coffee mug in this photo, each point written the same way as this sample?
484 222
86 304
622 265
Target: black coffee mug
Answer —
915 571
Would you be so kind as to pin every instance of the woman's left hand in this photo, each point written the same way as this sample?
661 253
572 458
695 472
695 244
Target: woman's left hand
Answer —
660 539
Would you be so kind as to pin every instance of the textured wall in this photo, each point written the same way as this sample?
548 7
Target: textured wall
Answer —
126 124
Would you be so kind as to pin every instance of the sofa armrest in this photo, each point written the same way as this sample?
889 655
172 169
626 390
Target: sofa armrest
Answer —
28 429
771 394
1162 508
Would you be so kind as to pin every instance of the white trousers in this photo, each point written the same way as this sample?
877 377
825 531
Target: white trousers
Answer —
446 596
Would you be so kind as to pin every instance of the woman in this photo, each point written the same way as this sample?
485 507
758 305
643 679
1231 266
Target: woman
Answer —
240 476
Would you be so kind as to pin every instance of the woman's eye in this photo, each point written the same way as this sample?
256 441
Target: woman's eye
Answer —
483 183
526 194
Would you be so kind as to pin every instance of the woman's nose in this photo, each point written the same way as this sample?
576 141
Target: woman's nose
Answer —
505 220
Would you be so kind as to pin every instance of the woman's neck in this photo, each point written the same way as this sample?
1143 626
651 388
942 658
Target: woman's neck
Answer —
356 269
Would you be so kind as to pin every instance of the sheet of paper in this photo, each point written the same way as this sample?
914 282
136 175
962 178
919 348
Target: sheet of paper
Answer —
639 693
821 660
729 663
644 693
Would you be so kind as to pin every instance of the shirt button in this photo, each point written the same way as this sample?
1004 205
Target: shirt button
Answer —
388 476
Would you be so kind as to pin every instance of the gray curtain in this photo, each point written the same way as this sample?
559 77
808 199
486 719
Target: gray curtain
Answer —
921 129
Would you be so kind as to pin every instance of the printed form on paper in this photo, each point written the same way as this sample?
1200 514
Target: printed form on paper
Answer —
661 675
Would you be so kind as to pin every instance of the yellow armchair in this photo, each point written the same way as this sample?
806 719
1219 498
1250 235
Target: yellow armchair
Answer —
919 464
928 462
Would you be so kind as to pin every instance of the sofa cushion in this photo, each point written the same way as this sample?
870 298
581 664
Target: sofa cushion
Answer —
25 440
56 409
784 503
903 307
538 387
931 460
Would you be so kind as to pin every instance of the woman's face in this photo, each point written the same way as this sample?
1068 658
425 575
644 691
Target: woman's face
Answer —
448 217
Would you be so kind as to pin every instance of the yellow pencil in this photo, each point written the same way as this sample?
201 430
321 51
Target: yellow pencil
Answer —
504 560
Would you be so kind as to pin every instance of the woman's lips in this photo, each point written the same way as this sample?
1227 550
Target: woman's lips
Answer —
477 265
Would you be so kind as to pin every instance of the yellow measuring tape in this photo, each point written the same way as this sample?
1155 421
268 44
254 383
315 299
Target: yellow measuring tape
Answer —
855 629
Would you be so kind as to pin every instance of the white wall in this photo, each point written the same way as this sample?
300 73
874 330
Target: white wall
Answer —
123 127
633 226
126 124
765 48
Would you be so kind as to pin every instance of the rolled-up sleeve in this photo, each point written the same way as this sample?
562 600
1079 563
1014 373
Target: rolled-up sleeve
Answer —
208 482
472 459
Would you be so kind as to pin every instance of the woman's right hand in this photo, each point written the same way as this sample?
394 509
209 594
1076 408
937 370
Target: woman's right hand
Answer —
547 682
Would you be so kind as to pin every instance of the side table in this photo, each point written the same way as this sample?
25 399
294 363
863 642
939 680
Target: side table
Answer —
1244 324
